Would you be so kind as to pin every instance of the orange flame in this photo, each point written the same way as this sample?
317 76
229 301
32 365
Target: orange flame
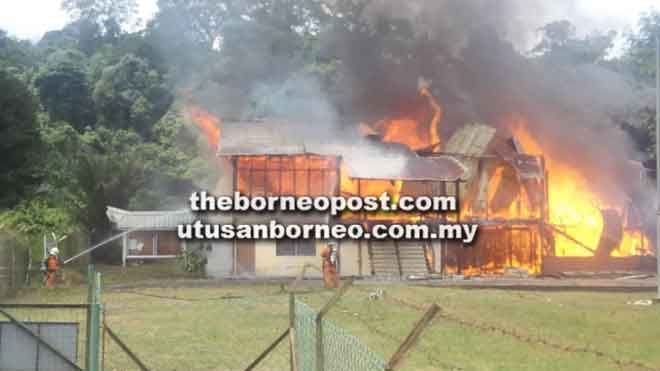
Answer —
573 206
409 132
207 123
404 131
633 243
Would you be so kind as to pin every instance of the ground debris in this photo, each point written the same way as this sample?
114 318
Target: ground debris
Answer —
644 302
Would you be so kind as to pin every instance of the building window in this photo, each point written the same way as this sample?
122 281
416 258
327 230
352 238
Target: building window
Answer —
295 248
295 175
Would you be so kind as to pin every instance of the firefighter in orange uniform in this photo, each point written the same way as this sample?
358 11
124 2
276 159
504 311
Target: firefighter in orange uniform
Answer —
330 274
52 265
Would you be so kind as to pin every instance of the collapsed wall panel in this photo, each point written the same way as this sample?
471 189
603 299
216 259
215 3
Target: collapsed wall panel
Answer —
496 250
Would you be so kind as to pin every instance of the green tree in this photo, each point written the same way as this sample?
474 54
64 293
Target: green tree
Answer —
640 54
63 88
101 167
560 44
15 55
131 94
237 46
189 23
20 145
174 164
111 15
638 61
186 33
103 180
35 217
83 34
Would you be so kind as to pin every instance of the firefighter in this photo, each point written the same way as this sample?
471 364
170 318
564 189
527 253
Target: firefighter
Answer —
52 265
330 274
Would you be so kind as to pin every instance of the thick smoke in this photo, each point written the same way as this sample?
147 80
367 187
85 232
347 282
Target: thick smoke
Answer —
471 50
474 52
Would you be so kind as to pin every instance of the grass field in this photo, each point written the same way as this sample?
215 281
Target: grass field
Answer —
224 326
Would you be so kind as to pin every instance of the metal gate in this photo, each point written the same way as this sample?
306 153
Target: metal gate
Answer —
43 337
59 337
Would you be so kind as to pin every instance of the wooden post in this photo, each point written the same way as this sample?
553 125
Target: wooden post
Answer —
360 258
444 246
509 251
398 258
294 170
250 176
339 259
309 176
371 257
125 348
458 200
267 161
543 212
266 352
363 214
300 277
480 174
439 258
280 172
412 338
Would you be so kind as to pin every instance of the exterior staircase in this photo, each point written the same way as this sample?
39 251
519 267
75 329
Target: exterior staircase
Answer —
398 260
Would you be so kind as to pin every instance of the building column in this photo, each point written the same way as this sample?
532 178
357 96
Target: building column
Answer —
438 250
124 249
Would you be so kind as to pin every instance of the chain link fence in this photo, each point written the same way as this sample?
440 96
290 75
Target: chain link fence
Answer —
21 258
340 350
13 266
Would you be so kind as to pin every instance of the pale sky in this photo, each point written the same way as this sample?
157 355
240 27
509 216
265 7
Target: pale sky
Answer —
606 14
30 19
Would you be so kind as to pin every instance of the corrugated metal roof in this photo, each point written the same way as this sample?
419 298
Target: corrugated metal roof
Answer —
470 140
149 220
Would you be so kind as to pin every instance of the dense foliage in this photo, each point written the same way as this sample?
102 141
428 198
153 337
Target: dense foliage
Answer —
20 146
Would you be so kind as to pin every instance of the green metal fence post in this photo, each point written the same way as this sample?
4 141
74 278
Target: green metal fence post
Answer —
90 278
99 321
94 320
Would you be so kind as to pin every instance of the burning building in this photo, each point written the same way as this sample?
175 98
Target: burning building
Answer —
534 213
527 144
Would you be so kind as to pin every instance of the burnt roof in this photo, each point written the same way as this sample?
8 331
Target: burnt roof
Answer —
364 158
259 138
413 168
